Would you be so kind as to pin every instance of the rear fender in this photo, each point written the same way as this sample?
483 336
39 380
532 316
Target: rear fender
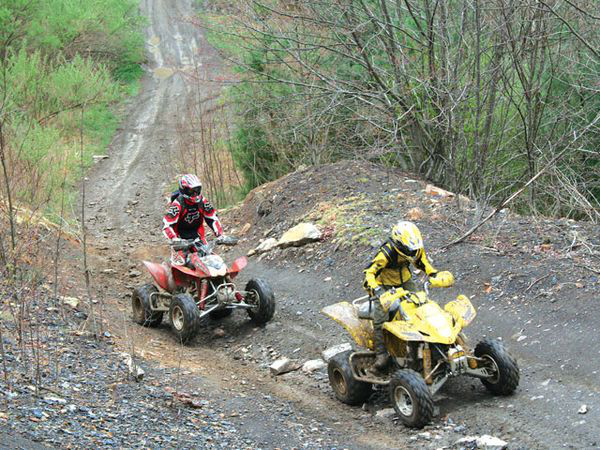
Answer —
346 315
462 311
162 275
237 266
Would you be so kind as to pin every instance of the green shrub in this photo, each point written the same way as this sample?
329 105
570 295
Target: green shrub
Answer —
61 57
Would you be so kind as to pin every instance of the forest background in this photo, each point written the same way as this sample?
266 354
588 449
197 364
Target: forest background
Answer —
475 96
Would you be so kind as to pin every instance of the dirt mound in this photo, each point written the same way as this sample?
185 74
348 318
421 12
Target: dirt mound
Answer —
356 203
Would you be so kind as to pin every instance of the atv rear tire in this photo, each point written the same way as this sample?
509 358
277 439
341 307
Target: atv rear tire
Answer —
411 398
345 387
507 375
220 313
140 306
264 301
183 314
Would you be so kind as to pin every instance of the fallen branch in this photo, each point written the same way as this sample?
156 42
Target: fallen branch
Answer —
591 269
537 281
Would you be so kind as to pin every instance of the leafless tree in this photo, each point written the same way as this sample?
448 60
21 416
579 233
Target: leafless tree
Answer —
473 95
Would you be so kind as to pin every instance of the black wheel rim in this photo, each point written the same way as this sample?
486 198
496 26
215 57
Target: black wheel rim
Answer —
339 382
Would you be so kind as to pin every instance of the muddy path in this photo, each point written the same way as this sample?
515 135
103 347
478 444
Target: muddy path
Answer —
127 191
126 201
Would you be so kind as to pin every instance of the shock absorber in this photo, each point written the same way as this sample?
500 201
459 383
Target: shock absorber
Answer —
203 291
427 363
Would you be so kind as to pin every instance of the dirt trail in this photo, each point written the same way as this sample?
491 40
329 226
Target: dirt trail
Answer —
130 186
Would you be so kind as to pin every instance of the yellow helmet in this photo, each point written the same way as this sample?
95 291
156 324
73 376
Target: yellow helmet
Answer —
407 239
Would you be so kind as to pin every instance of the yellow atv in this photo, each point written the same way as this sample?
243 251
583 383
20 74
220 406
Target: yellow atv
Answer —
427 347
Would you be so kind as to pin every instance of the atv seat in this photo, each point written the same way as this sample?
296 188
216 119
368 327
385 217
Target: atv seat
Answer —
365 311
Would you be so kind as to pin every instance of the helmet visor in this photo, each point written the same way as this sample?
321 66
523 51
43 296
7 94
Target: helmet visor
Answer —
405 250
192 192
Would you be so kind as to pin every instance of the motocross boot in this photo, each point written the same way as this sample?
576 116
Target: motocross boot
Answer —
379 318
383 358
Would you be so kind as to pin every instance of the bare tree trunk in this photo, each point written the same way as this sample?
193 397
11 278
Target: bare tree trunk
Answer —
4 367
58 240
11 216
86 270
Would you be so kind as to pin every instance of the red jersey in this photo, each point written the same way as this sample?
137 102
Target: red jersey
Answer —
187 221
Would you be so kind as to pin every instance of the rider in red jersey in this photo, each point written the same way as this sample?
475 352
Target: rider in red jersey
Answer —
186 215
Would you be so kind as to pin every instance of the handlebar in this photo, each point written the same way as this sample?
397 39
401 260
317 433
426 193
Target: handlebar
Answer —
184 244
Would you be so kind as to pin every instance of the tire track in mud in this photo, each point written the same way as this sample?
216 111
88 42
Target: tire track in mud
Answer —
131 184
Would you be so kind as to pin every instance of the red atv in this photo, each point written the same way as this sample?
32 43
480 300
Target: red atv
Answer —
188 293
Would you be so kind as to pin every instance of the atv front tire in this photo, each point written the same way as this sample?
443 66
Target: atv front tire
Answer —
505 368
183 314
345 387
411 398
264 299
140 306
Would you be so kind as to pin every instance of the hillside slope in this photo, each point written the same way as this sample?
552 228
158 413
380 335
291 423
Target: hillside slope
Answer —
534 283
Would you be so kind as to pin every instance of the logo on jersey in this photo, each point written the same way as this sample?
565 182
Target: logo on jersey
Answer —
192 216
207 206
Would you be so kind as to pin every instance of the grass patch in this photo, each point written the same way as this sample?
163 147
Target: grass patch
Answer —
349 221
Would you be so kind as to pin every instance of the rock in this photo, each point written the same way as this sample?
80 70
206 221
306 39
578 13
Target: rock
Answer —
330 352
99 157
485 442
73 302
265 246
312 365
436 191
386 413
283 365
415 214
583 409
301 234
264 208
55 400
426 435
219 333
134 273
245 228
134 370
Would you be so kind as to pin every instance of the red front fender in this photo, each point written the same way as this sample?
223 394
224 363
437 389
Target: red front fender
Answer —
162 275
237 266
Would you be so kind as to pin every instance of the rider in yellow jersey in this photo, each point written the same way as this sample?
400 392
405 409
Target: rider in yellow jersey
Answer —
391 269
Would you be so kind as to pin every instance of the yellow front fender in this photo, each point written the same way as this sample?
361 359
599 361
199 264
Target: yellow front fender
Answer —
403 330
346 315
462 310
